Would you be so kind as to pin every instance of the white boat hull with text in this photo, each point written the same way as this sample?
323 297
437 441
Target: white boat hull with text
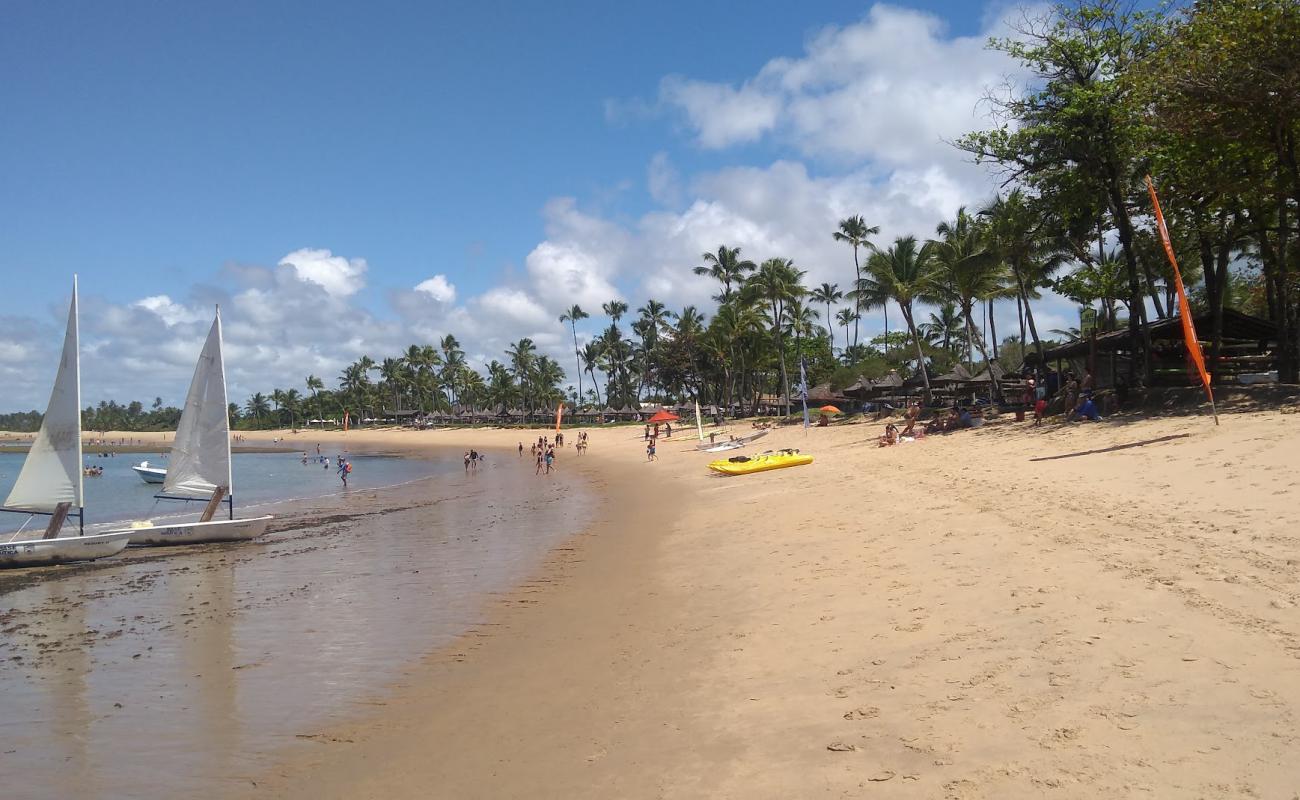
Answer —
62 550
221 530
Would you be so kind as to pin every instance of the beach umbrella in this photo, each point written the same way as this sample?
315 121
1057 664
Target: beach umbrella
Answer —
830 410
664 416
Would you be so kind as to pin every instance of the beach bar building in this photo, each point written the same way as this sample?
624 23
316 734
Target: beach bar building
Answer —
1246 356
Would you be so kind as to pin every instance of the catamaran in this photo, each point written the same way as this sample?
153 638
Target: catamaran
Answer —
199 467
50 482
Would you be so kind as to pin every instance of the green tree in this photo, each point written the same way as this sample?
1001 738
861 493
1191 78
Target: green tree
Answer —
855 232
573 316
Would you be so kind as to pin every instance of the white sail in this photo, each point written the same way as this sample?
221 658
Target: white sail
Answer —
200 459
51 474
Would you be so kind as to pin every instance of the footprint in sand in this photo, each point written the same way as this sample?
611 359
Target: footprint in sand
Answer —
865 712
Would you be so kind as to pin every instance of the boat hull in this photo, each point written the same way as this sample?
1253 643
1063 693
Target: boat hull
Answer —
64 550
760 464
151 474
734 444
222 530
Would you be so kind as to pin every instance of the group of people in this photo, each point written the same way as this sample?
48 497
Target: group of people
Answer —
1076 394
544 452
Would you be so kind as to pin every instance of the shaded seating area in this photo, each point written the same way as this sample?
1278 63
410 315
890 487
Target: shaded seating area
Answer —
1246 356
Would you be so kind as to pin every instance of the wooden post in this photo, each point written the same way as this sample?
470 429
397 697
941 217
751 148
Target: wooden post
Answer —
56 520
213 504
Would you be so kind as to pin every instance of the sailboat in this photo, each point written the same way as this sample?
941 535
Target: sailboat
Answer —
50 482
199 467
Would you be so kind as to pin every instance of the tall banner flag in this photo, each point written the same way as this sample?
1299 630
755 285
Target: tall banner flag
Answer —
559 414
803 391
1184 308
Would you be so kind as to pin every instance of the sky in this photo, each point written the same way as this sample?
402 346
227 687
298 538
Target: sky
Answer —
348 179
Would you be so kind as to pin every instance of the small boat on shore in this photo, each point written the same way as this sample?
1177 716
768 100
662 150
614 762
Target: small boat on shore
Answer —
50 482
199 468
732 444
744 465
150 474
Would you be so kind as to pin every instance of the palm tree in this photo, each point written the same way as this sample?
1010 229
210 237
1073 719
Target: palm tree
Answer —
967 272
777 282
828 293
846 317
854 230
1015 235
573 316
523 359
453 359
906 273
257 406
727 268
944 328
591 359
314 385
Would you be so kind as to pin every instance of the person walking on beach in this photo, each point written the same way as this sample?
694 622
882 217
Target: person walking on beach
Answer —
650 451
521 449
550 461
541 459
344 469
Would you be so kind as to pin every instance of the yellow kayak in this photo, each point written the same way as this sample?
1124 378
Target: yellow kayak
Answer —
744 465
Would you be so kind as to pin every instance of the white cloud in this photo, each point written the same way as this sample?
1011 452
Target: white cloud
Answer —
513 305
439 288
890 89
170 312
338 276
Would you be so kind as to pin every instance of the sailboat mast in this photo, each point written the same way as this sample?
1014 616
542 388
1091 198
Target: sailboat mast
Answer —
225 406
81 460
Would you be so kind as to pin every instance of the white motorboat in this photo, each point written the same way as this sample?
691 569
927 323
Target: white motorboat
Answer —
50 483
150 474
199 468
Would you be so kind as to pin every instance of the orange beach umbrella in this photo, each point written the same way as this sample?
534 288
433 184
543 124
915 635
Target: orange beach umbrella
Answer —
830 410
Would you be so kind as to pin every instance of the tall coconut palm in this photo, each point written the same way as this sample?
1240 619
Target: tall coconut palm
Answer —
828 293
776 283
945 328
591 361
855 232
314 385
967 272
727 268
1016 236
573 316
906 273
453 362
847 317
523 360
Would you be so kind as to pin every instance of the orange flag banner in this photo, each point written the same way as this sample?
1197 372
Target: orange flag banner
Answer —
1184 308
559 414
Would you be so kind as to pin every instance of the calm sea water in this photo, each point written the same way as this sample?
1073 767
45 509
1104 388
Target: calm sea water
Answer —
120 495
185 672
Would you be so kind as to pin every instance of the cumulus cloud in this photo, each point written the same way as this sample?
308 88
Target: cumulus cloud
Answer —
890 89
337 275
439 288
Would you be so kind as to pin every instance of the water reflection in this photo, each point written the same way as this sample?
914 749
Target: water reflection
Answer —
173 674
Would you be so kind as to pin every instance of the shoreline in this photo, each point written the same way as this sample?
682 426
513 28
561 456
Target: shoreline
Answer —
992 613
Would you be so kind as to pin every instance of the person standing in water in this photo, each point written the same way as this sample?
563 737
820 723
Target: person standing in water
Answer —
466 462
344 469
521 449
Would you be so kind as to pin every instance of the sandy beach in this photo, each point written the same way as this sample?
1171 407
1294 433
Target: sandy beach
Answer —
1087 610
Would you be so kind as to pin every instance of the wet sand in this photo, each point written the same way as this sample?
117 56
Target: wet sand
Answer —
180 672
1081 611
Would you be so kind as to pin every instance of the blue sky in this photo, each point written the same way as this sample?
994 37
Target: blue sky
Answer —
527 153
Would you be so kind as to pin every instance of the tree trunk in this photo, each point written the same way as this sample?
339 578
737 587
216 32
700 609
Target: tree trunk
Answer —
966 311
920 357
857 303
1139 333
993 330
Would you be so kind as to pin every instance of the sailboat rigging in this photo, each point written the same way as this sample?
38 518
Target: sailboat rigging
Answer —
199 467
50 482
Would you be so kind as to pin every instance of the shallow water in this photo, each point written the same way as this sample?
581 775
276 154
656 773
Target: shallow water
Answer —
119 494
174 673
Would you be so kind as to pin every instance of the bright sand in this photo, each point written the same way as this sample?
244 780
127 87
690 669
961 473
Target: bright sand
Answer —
946 618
